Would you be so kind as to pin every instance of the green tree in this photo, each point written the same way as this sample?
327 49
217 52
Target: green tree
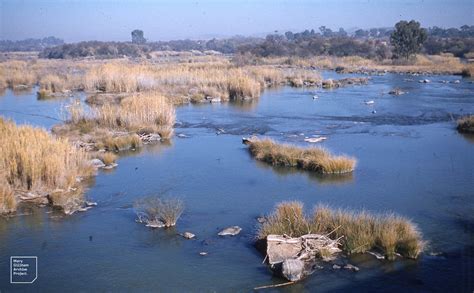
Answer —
407 38
137 37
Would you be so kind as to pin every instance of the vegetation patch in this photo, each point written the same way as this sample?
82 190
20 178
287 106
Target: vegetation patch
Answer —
311 159
358 232
157 212
38 166
466 124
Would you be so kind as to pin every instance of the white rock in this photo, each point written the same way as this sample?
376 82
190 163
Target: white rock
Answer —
293 269
96 163
188 235
315 139
232 231
371 102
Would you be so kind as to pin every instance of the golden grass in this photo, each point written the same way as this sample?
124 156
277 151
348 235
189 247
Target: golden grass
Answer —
466 124
359 231
52 83
119 143
108 158
312 159
7 199
159 212
34 161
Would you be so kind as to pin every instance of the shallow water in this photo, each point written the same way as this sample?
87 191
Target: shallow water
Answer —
411 161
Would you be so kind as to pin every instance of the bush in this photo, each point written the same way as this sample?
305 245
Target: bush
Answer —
156 212
466 124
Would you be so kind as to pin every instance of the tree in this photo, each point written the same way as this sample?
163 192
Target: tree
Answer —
137 37
407 38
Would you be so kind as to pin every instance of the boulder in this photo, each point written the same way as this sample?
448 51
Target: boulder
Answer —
96 163
230 231
293 269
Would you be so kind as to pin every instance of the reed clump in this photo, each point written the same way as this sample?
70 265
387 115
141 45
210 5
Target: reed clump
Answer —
358 232
157 212
34 162
311 159
7 199
466 124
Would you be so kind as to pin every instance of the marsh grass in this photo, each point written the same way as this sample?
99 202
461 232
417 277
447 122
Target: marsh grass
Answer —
34 161
156 211
312 159
359 231
7 199
108 158
119 143
466 124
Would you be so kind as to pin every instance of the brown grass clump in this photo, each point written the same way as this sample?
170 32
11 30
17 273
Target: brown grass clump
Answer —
52 83
108 158
140 113
359 231
34 161
17 74
119 143
312 159
158 212
7 199
466 124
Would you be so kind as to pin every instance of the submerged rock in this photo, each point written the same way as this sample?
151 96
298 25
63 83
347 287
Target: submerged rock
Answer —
230 231
150 137
351 267
293 269
396 92
336 267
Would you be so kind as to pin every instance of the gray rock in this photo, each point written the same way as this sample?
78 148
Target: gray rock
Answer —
293 269
96 163
336 267
231 231
215 100
351 267
203 253
188 235
261 220
150 137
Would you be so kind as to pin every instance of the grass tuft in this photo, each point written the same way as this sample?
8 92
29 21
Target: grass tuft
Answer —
466 124
159 212
312 159
359 231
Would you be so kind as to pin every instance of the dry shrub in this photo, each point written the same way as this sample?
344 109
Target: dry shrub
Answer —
466 124
17 73
241 86
359 231
312 159
156 211
52 83
34 161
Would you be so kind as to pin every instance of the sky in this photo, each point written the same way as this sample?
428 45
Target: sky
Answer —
113 20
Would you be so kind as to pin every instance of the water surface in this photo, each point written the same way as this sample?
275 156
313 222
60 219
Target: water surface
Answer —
411 161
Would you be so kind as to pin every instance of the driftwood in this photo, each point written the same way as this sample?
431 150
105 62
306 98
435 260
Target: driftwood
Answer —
306 247
294 258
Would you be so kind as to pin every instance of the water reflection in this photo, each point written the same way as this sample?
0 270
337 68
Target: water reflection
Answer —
323 179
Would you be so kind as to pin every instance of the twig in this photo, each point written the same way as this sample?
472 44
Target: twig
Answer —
266 255
327 235
273 286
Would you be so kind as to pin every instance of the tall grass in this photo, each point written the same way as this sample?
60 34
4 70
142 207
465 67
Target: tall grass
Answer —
312 159
33 161
359 231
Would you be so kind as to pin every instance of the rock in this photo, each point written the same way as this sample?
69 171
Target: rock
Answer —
377 255
457 81
181 135
315 139
315 97
336 267
215 100
155 224
371 102
396 92
96 163
374 112
150 137
203 253
111 166
188 235
293 269
261 220
248 140
351 267
90 203
231 231
424 81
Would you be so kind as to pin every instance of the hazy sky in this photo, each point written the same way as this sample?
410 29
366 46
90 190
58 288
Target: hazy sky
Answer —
74 20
